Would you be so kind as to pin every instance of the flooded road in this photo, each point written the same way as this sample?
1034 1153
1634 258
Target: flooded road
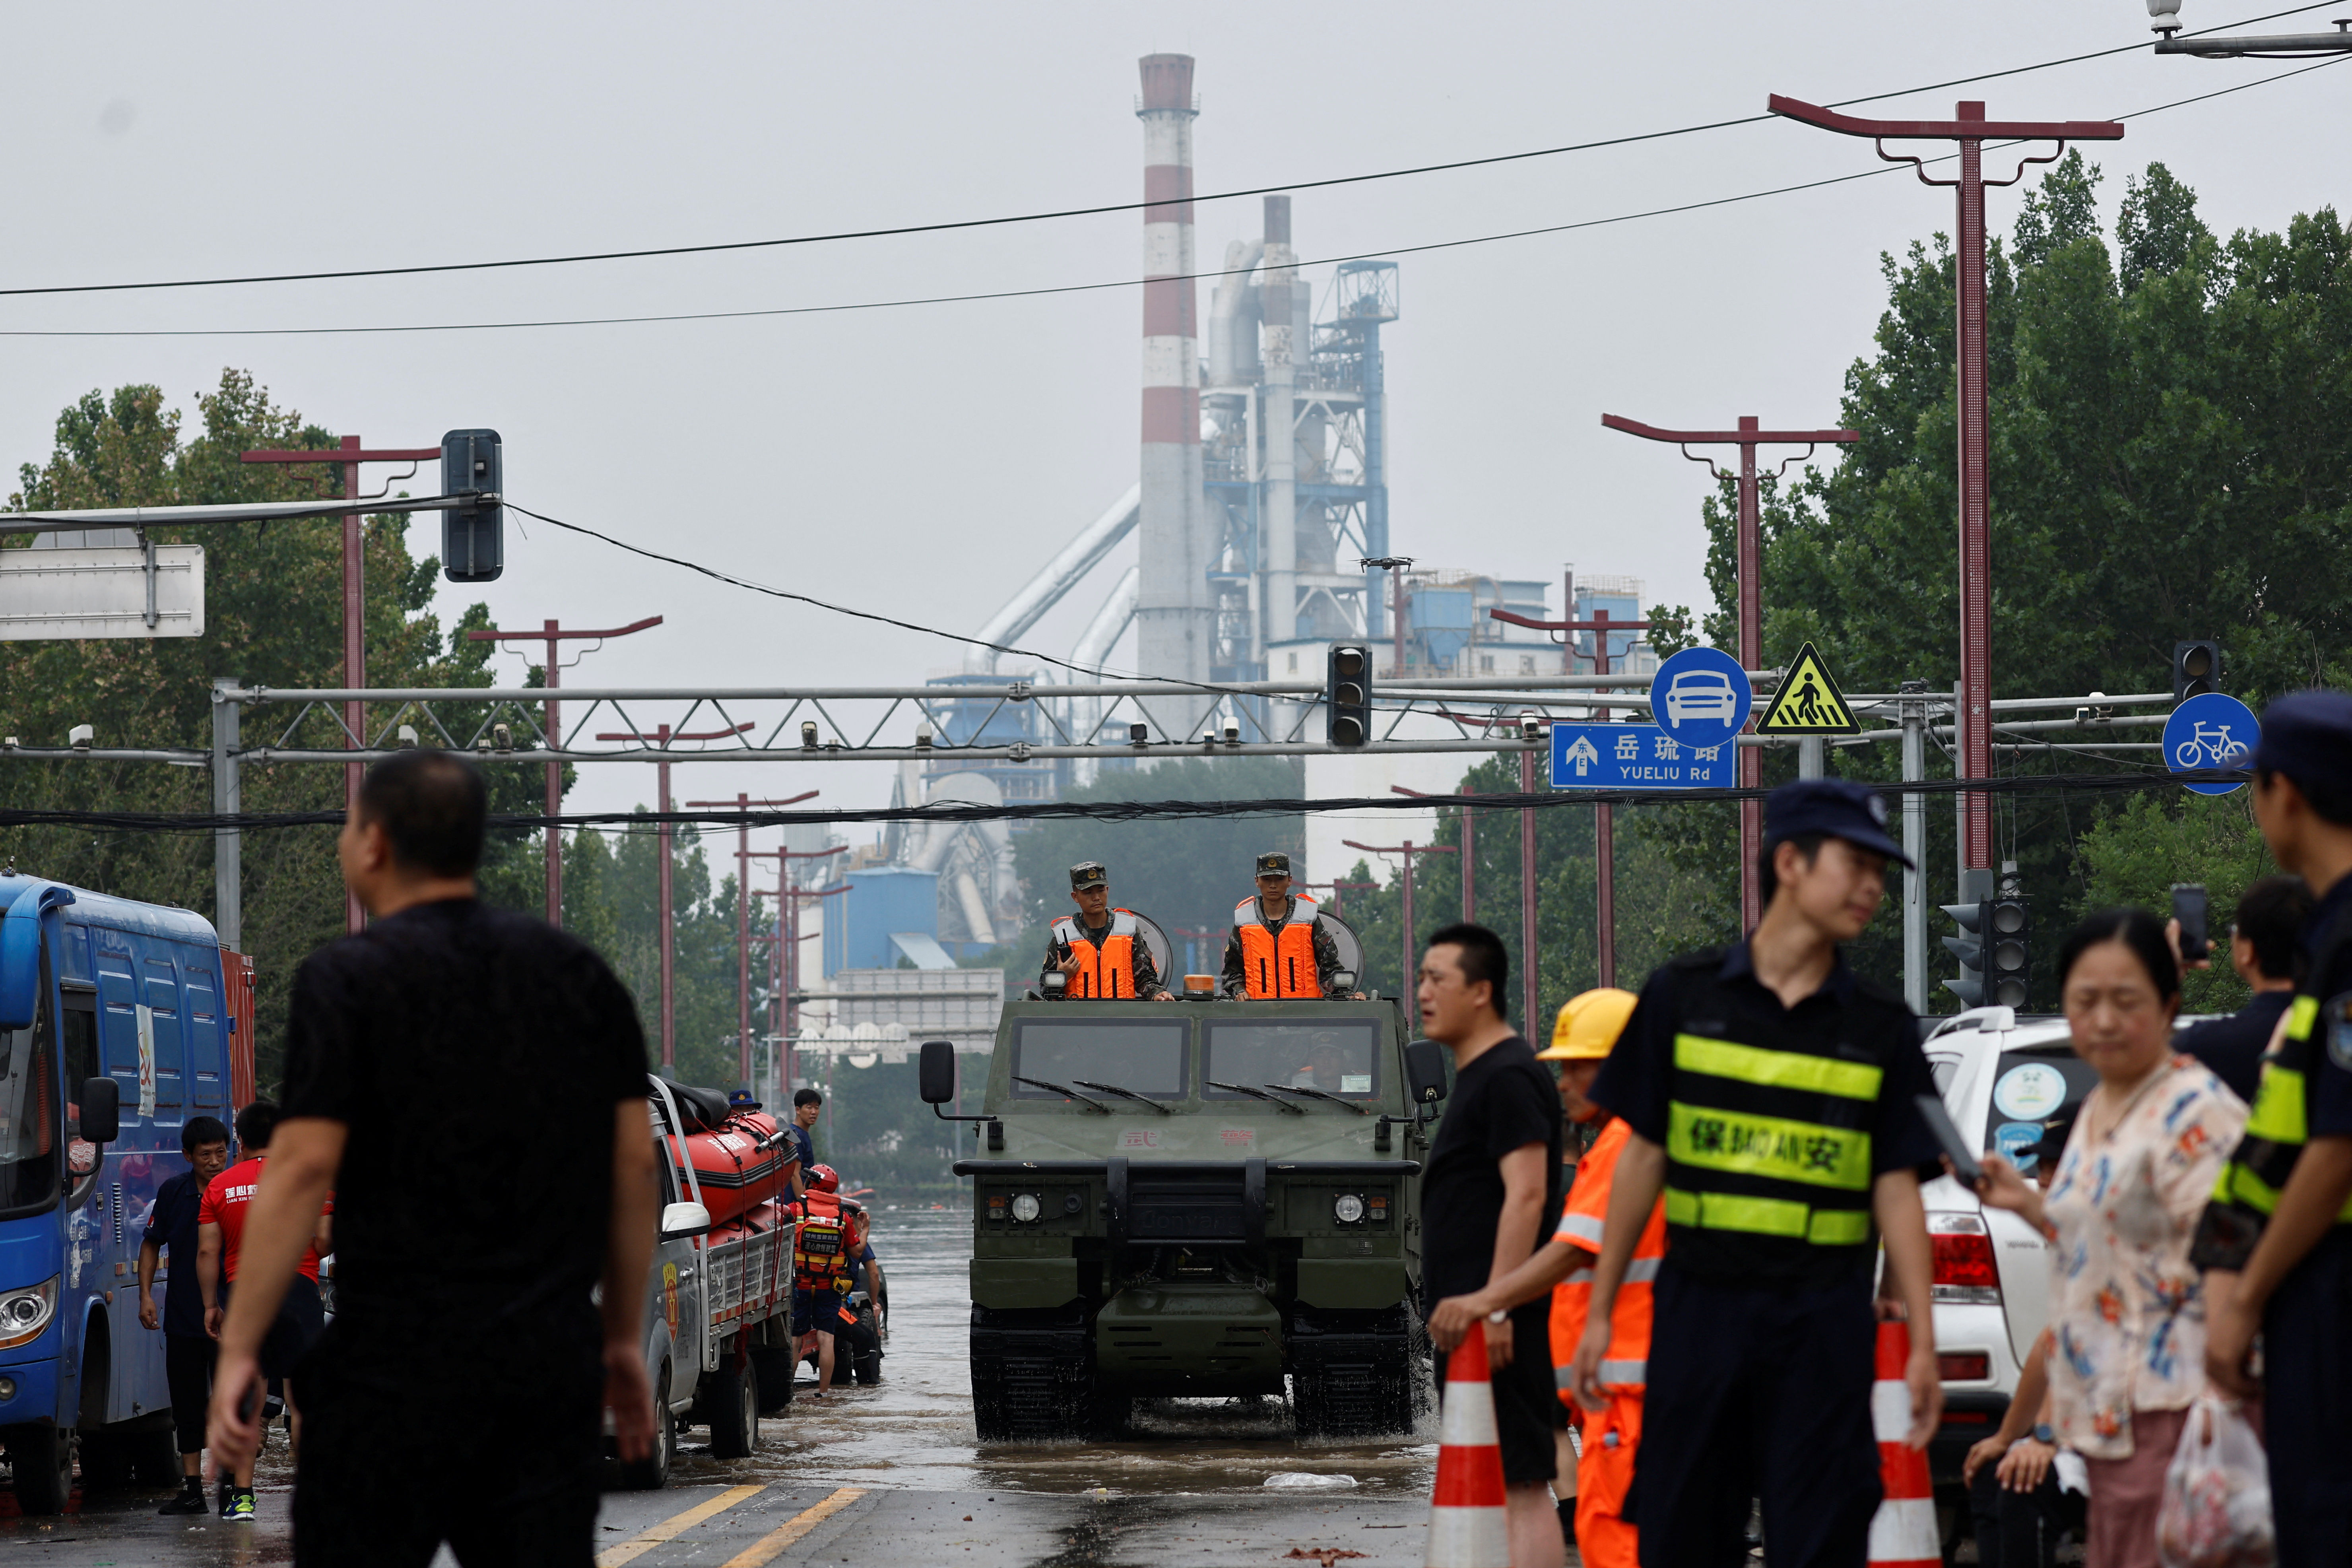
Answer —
915 1430
895 1475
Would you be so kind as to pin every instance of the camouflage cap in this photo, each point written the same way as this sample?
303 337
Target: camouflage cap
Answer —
1274 863
1088 874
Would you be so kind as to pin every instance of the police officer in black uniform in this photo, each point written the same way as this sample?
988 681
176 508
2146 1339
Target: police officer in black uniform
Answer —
2276 1240
1770 1094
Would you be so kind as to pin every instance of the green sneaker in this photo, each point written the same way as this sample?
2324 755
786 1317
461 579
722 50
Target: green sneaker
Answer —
240 1507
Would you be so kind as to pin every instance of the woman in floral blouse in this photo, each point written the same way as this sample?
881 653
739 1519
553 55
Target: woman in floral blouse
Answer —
2128 1310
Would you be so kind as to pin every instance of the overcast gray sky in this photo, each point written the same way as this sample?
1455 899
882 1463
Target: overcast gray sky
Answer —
924 461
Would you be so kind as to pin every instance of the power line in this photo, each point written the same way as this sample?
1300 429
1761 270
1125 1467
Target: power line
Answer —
1005 219
1121 283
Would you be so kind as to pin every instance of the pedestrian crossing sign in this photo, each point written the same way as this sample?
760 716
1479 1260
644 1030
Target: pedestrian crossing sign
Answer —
1808 701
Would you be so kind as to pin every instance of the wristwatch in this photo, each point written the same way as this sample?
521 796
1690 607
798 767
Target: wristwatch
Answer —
2042 1434
1499 1315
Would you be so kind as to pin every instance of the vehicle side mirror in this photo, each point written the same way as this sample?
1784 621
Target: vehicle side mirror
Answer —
1424 1070
680 1220
101 1111
936 1077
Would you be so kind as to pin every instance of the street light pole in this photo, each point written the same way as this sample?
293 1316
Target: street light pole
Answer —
743 804
786 968
1408 850
349 454
552 637
1972 129
665 938
1748 566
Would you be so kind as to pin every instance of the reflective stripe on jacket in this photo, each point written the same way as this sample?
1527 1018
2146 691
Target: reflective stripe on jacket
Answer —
1770 1142
1625 1369
1108 971
1278 962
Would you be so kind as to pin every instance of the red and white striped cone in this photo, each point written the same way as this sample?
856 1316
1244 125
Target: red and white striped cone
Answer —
1467 1528
1903 1533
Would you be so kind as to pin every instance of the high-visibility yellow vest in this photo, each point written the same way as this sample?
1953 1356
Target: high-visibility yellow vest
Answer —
1770 1142
2246 1194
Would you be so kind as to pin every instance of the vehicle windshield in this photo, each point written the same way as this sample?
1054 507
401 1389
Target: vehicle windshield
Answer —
28 1121
2029 1089
1340 1059
1148 1057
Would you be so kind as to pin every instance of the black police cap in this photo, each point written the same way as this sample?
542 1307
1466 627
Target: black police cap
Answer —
1839 808
2307 736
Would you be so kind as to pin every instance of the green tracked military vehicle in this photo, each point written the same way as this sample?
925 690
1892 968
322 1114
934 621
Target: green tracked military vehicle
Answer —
1196 1198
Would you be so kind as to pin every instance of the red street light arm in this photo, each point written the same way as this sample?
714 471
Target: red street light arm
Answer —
747 804
1727 438
1399 848
1976 126
495 635
679 735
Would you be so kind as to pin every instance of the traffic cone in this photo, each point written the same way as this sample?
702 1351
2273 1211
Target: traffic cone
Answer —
1903 1532
1467 1528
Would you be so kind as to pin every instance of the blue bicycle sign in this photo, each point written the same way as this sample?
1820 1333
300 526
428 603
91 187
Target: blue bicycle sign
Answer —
2210 730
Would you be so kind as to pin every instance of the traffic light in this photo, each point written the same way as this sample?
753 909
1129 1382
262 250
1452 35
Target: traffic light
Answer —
473 538
1969 948
2008 929
1349 693
2196 669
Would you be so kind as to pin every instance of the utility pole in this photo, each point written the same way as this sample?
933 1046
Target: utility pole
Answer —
785 967
1972 129
349 454
1408 850
1912 707
1396 566
552 636
743 804
665 938
1748 558
1604 815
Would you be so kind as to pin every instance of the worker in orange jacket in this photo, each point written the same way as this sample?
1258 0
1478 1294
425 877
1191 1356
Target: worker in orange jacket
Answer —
1586 1031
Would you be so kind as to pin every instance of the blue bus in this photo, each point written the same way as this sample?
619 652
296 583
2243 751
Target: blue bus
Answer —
115 1027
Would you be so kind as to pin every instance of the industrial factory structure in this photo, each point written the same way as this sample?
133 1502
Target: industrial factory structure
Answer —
1262 493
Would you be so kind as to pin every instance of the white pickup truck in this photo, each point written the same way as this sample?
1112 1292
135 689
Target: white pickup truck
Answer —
719 1346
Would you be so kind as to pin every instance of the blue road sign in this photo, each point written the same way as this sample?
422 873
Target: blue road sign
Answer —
1634 756
1700 697
2211 729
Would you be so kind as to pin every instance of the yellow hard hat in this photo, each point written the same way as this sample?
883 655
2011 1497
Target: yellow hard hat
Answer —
1589 1026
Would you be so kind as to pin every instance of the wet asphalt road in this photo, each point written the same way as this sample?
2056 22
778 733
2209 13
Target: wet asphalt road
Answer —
894 1475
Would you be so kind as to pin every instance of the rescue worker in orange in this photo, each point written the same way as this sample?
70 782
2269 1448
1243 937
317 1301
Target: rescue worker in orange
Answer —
1587 1029
1100 951
1279 946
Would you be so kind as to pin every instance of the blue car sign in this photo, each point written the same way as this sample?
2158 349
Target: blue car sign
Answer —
1701 696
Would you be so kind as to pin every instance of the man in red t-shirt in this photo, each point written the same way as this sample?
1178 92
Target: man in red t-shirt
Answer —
220 1226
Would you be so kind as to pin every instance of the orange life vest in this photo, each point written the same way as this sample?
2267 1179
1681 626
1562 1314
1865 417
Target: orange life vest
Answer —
820 1260
1278 962
1625 1369
1108 971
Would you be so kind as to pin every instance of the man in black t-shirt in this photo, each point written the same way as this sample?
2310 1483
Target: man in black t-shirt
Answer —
471 1084
2263 940
187 1349
1489 1197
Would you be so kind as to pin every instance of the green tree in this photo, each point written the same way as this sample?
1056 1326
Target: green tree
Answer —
273 616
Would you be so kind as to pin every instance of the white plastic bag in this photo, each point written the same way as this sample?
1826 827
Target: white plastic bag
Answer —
2217 1494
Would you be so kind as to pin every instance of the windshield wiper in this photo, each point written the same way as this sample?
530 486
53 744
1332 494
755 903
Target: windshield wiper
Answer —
1259 1094
1320 1094
1064 1090
1124 1094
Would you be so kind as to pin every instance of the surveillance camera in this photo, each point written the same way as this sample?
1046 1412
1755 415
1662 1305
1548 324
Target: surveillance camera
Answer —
1233 734
502 738
923 736
1139 734
80 736
1530 726
407 737
808 734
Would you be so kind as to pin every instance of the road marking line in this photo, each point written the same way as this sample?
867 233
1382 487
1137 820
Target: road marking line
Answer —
764 1550
638 1545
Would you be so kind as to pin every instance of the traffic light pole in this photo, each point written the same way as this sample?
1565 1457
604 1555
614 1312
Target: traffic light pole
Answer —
1970 129
1748 566
349 454
554 638
1913 710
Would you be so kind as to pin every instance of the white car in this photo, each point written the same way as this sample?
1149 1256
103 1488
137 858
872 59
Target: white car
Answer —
1700 694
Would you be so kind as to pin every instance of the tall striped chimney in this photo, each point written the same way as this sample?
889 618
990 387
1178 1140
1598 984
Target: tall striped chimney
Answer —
1175 621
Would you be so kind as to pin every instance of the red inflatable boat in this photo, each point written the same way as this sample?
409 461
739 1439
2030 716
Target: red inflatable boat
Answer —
737 1174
